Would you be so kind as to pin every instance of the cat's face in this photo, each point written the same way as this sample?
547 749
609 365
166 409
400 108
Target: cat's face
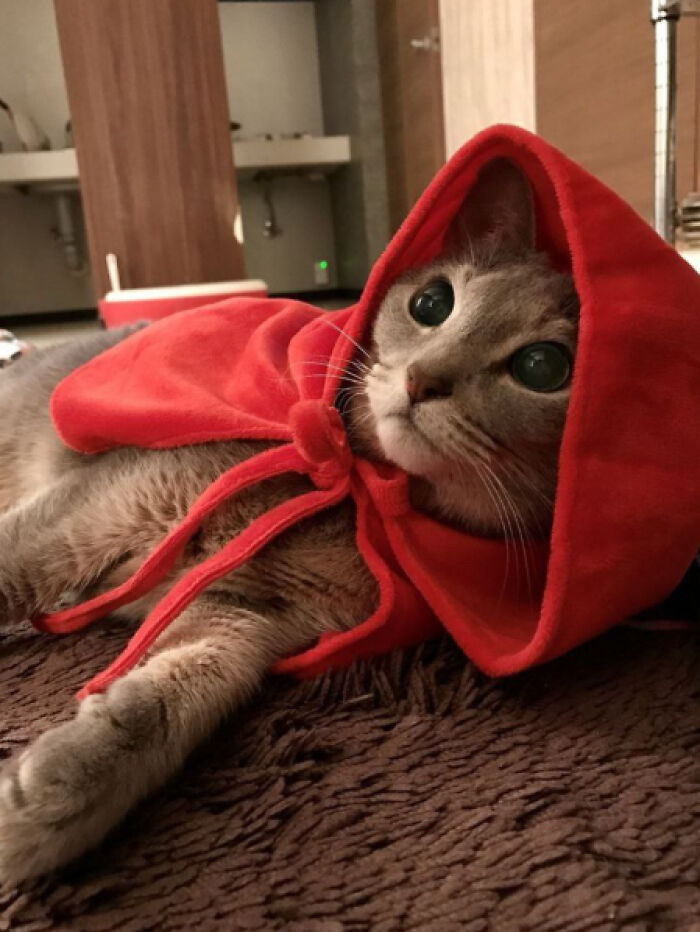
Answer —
467 387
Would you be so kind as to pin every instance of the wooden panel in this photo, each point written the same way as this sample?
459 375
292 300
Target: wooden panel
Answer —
411 101
487 66
595 92
150 118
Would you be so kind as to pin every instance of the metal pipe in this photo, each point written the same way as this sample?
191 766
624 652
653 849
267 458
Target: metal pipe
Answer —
665 15
66 234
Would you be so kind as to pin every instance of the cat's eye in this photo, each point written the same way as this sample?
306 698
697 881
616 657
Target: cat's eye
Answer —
542 367
432 305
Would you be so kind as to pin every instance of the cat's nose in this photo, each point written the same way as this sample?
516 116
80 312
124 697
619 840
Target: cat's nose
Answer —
423 387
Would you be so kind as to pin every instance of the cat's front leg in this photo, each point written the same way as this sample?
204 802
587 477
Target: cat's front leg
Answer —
59 540
78 780
72 534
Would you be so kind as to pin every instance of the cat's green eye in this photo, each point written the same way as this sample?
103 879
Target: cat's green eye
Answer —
542 367
432 305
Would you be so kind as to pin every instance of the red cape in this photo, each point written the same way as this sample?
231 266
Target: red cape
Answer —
627 513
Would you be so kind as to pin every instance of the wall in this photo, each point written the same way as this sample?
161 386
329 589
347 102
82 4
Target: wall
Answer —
32 274
303 210
352 105
272 77
487 65
272 68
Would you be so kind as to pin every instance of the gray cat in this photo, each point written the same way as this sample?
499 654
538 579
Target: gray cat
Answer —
464 384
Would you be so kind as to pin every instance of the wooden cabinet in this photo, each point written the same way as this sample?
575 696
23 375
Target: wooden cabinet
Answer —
414 135
594 80
150 117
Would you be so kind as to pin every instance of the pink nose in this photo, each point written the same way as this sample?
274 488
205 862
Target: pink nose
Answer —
423 387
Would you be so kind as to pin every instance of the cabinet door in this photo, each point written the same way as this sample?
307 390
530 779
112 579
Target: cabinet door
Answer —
151 126
595 92
409 56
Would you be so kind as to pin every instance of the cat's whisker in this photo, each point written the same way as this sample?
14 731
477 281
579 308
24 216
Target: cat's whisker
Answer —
498 497
355 428
322 375
536 522
457 423
472 252
516 536
520 527
499 492
349 395
518 472
506 542
317 365
339 373
346 335
365 417
353 387
360 364
463 458
524 483
464 424
335 370
513 512
512 522
537 514
325 361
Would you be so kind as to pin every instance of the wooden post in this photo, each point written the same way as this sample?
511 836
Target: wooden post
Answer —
488 72
150 119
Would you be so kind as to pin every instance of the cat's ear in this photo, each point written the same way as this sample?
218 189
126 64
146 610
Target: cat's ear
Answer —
497 214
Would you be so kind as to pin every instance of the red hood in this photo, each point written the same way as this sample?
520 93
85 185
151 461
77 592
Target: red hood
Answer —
627 513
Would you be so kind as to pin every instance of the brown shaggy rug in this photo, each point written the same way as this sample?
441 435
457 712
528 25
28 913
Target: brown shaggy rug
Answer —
408 793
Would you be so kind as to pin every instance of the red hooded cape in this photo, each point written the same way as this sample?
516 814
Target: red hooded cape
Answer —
627 514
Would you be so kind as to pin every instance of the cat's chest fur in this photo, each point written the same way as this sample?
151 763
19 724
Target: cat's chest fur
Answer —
313 569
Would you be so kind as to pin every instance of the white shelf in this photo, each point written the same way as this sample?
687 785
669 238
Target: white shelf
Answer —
23 168
60 167
314 153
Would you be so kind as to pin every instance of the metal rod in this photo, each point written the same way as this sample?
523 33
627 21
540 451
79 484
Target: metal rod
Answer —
665 16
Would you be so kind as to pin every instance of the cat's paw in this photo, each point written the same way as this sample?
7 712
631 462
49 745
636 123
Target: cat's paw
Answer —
63 794
26 833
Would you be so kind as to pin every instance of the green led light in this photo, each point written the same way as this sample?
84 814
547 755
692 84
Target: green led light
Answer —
323 264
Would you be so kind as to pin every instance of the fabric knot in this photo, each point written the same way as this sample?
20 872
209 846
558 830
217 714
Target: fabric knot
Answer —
319 436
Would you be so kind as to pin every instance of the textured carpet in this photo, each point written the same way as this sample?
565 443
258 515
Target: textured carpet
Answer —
411 793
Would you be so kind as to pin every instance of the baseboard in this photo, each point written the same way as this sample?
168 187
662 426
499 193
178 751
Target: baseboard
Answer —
48 317
327 294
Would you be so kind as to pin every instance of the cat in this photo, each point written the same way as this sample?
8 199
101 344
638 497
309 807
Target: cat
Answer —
464 383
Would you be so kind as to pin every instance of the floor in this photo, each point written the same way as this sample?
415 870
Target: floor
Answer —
46 334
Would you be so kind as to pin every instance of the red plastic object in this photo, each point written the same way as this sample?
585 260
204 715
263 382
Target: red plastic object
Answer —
133 304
